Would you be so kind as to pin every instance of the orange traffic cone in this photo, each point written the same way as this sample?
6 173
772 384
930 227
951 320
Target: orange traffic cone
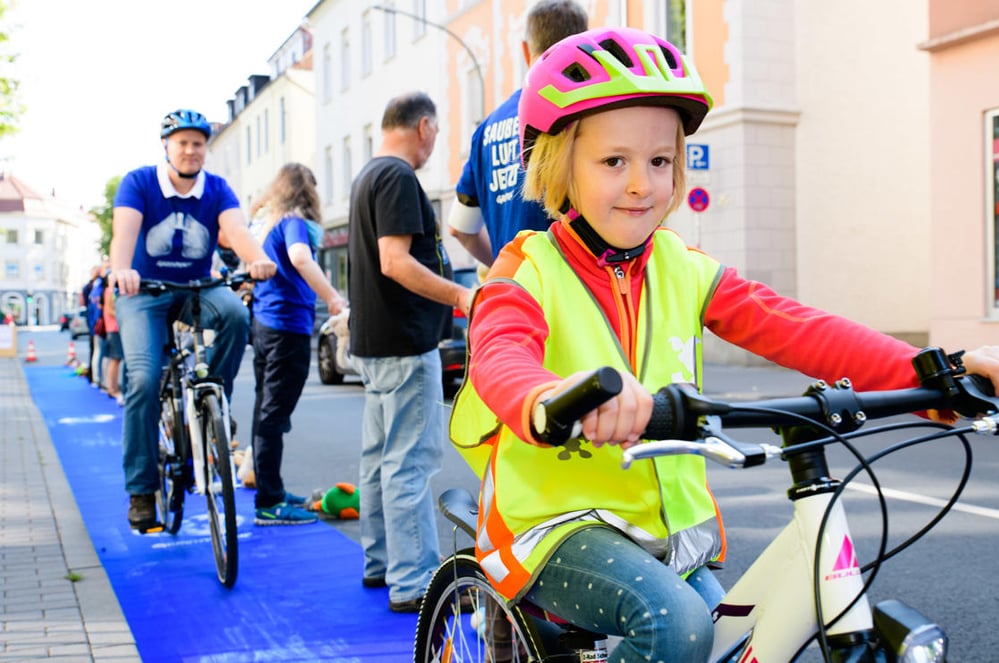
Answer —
71 359
31 352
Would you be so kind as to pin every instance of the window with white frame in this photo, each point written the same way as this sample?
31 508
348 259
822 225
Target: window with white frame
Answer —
39 237
389 29
366 59
420 24
282 121
259 134
474 100
327 72
992 197
12 235
267 130
344 60
671 22
347 166
249 144
368 148
328 174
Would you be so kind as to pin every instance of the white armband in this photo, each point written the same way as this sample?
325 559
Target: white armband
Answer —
466 219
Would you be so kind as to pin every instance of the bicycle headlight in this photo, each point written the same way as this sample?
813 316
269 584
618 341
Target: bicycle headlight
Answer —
908 635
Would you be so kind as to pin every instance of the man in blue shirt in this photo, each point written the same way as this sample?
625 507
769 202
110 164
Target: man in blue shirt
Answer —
489 210
165 226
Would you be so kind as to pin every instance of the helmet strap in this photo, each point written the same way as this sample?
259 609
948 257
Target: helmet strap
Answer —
174 168
604 252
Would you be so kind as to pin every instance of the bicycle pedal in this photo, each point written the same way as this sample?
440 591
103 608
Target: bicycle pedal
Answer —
152 529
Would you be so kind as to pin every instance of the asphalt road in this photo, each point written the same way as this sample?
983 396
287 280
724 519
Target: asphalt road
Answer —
951 574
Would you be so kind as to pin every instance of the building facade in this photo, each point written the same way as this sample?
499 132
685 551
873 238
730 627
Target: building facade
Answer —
47 249
962 46
849 160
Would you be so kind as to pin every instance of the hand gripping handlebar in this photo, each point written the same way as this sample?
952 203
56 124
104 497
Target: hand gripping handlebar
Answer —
679 410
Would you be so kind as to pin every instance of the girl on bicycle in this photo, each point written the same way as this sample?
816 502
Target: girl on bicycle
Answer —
603 120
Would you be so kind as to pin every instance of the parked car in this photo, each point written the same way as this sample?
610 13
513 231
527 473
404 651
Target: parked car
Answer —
333 366
78 323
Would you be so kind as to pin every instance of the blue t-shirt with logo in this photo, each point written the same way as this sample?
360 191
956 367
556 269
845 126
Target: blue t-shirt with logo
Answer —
178 234
493 178
285 302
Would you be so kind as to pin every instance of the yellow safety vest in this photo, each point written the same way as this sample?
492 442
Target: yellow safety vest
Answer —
533 497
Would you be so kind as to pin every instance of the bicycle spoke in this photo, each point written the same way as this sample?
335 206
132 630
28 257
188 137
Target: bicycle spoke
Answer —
463 620
172 443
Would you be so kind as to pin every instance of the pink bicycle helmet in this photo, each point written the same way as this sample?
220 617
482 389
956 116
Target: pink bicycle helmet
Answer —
607 68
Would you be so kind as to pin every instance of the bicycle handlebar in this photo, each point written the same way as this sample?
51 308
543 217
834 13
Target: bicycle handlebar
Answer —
158 286
679 410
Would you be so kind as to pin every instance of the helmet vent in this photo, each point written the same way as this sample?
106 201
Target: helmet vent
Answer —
617 51
576 73
670 60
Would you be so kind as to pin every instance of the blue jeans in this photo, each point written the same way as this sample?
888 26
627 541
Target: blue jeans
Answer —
281 363
606 583
142 320
402 448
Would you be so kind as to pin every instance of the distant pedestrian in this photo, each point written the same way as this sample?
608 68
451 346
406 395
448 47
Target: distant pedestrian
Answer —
490 210
401 296
166 223
283 317
111 351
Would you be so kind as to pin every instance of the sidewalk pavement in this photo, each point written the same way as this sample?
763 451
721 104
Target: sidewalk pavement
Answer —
44 614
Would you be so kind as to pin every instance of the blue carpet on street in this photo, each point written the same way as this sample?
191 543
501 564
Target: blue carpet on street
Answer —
298 596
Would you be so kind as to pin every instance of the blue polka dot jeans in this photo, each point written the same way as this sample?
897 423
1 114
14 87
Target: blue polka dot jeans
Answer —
603 582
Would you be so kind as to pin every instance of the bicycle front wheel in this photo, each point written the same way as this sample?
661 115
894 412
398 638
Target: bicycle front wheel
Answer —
219 489
463 619
173 454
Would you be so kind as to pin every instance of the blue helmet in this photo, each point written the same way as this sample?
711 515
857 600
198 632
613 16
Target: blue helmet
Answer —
185 119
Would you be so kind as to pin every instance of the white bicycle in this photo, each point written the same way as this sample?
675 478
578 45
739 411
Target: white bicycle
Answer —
805 587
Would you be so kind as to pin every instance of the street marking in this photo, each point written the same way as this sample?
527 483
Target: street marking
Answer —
985 512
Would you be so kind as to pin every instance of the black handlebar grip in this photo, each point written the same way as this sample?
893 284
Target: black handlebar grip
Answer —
554 418
663 422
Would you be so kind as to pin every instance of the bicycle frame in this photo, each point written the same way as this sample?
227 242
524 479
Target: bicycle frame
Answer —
195 384
770 600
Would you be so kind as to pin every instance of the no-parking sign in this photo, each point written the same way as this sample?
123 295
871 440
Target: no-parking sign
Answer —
698 199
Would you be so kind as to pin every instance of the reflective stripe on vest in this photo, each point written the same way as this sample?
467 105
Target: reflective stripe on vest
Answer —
541 502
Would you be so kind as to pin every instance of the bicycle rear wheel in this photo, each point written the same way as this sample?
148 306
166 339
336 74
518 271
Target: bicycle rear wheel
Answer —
219 490
463 619
173 446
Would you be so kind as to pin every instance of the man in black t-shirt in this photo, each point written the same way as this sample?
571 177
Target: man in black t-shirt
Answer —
401 297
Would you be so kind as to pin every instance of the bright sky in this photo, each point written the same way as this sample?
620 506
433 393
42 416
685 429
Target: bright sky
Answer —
97 76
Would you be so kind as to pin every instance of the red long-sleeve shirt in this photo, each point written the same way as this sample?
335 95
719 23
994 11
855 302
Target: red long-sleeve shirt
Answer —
508 331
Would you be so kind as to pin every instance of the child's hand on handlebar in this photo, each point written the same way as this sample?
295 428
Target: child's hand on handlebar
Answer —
985 362
620 420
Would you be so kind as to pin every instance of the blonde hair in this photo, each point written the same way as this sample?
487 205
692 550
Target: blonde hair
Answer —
291 193
550 181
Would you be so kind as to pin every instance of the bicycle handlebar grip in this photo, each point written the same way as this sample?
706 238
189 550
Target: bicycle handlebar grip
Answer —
663 424
555 420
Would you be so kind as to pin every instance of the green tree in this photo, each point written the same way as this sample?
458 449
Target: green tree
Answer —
104 213
10 105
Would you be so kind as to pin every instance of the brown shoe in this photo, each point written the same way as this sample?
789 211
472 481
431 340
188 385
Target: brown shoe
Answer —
142 511
412 605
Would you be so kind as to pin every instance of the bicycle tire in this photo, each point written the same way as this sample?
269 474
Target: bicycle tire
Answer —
463 619
173 456
219 491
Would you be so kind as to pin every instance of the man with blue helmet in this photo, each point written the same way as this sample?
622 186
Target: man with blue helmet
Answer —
166 223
